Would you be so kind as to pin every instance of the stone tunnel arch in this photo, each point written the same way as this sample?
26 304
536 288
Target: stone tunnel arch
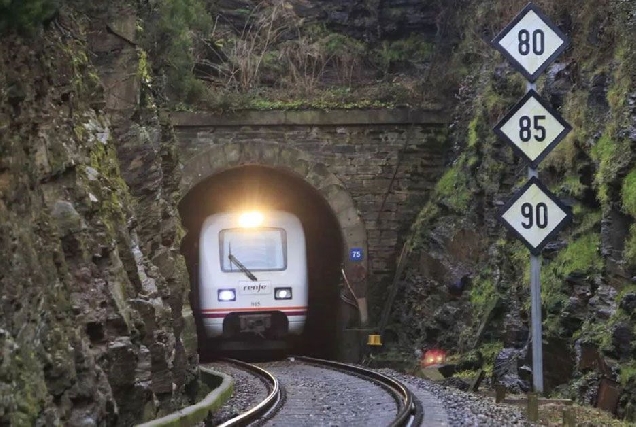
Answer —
225 157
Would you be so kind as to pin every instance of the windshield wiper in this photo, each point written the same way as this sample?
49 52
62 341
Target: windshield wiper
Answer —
242 267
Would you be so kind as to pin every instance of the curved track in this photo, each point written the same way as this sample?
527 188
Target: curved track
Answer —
269 404
319 392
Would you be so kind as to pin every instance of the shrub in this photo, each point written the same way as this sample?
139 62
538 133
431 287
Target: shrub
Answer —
172 28
392 54
26 15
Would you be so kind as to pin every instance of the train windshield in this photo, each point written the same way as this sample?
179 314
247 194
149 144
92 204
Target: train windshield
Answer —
258 249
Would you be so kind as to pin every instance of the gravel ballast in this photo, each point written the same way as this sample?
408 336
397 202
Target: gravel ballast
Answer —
448 406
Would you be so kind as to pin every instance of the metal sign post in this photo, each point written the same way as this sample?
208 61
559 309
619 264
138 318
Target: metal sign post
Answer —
535 299
531 42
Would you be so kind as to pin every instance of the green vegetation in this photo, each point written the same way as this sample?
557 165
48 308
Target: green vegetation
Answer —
332 99
564 157
265 56
390 54
628 372
623 78
609 153
488 352
630 247
473 132
26 15
571 184
586 221
628 193
452 190
581 255
483 292
168 35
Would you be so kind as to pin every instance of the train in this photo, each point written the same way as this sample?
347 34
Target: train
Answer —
252 278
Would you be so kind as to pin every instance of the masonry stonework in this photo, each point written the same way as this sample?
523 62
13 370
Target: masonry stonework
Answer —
387 160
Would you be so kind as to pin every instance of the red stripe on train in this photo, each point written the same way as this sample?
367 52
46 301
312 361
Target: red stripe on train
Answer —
221 315
228 310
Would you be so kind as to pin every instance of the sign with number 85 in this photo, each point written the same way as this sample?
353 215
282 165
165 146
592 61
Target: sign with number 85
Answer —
533 128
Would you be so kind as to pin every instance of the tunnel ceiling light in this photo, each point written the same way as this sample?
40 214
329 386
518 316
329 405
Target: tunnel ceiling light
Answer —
251 219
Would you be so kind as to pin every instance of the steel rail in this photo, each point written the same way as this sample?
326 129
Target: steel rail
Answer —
407 415
270 403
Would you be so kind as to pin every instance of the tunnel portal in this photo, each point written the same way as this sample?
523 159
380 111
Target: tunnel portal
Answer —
265 188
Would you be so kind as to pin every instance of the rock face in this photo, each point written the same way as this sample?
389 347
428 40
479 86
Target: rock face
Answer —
94 327
588 270
369 20
506 370
374 20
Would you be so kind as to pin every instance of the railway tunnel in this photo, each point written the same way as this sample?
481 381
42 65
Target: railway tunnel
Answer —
331 225
366 173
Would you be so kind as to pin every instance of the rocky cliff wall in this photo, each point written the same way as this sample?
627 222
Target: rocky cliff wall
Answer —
587 273
94 327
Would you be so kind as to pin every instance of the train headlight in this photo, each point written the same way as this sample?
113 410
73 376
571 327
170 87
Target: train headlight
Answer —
226 295
251 219
282 293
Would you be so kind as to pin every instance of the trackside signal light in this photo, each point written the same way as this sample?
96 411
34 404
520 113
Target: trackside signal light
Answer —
434 356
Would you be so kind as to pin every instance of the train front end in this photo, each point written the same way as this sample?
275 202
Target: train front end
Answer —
252 276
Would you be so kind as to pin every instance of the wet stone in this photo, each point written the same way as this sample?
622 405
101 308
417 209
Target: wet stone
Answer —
628 304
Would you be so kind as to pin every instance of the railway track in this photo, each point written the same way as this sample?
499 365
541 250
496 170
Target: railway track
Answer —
303 391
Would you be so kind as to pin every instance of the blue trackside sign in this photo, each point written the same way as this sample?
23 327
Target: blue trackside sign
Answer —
356 254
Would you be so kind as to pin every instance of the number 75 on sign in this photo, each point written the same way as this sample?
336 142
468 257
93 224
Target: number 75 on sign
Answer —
535 215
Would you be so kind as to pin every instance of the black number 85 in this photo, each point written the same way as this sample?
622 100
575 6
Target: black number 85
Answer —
540 212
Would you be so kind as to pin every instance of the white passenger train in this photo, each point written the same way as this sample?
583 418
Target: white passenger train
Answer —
252 275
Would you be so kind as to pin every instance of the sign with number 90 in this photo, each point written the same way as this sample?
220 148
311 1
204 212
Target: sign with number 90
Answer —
534 214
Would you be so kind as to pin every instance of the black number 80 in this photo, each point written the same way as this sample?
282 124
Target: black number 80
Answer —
537 44
540 212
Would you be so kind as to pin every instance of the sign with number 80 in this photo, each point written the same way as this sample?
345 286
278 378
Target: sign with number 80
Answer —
531 42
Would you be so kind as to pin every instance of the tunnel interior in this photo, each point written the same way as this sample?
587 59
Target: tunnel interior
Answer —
260 187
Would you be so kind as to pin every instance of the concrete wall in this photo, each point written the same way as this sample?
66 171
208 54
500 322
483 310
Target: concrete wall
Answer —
387 160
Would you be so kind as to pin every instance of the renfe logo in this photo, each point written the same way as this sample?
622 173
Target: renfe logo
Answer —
254 288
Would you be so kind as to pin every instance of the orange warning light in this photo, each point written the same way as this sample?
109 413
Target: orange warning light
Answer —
433 357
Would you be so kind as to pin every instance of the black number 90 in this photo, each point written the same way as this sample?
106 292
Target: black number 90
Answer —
538 215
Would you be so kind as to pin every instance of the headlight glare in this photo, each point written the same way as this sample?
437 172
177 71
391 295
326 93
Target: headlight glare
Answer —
226 295
282 293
